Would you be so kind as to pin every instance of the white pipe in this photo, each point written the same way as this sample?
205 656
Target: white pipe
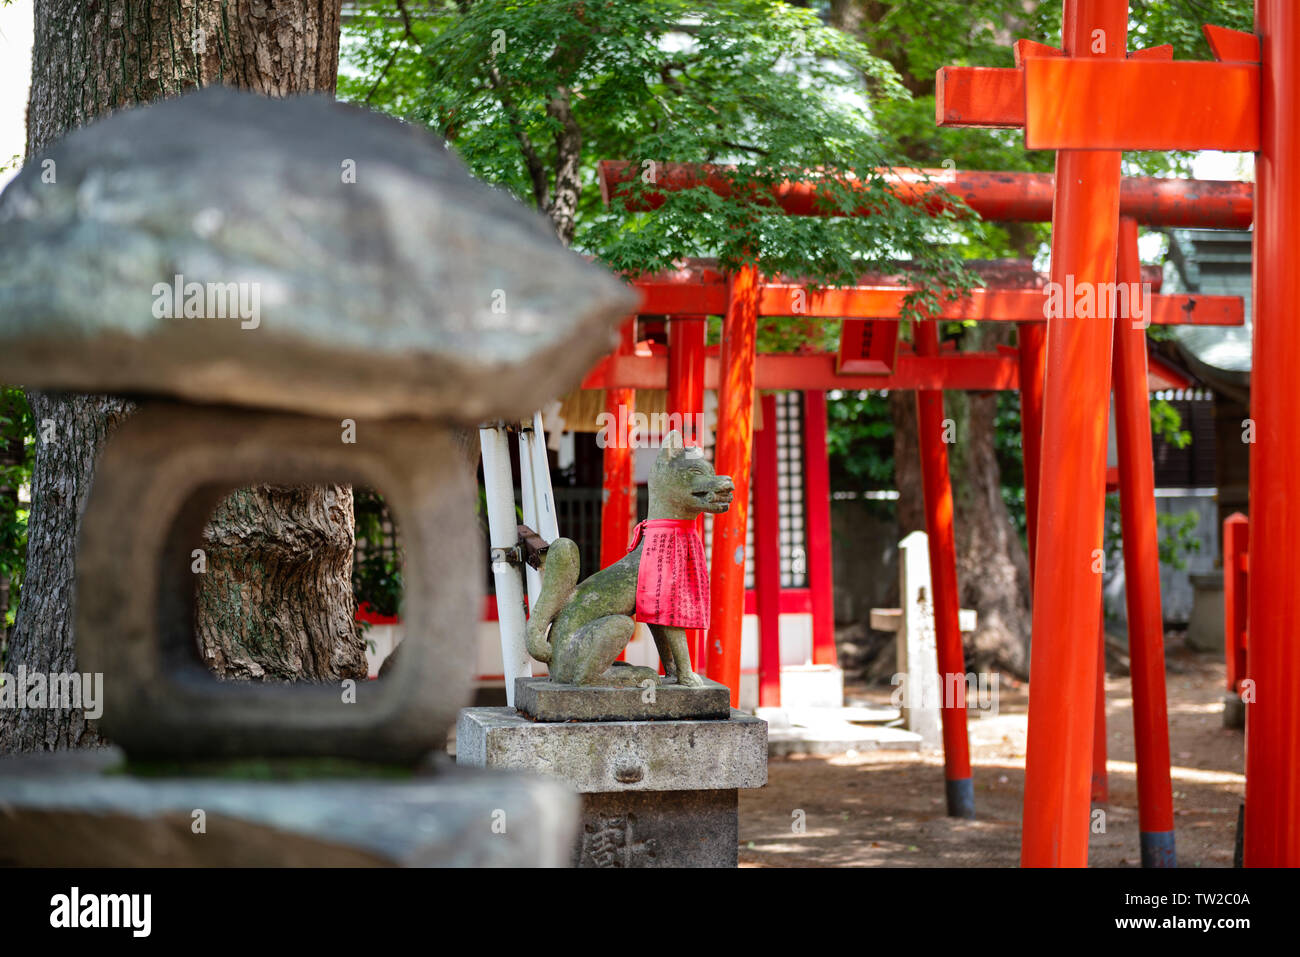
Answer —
503 533
528 488
549 524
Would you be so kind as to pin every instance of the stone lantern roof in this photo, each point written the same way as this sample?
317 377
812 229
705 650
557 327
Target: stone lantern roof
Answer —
295 254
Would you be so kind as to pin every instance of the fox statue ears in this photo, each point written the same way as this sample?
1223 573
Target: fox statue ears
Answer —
673 447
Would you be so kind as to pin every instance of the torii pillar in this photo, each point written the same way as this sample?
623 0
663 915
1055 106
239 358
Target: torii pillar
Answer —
1272 837
1088 101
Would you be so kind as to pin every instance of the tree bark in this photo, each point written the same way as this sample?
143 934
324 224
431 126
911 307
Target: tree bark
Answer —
90 59
276 600
907 463
992 564
563 207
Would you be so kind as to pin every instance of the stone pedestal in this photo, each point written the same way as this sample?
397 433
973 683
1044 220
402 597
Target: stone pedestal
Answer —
80 809
657 791
1234 712
812 686
1205 626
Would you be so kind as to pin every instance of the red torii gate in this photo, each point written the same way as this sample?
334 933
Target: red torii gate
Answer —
1155 202
1088 102
1010 295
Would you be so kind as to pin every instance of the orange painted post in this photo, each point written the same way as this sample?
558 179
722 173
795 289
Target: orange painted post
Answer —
817 498
1236 587
1146 632
1272 833
1100 780
618 496
686 339
943 578
1033 363
1067 583
732 457
767 556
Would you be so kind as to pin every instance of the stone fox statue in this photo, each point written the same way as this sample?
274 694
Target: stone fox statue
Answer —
580 628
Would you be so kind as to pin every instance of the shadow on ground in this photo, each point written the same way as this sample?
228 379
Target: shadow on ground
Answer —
887 809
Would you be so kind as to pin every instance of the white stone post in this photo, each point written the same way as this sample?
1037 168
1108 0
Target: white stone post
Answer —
918 659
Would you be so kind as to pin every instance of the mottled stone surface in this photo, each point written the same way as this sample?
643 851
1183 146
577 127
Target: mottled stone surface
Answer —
75 808
604 756
658 829
411 290
158 479
547 700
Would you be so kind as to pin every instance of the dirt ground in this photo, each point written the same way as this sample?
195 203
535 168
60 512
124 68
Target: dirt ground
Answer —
887 808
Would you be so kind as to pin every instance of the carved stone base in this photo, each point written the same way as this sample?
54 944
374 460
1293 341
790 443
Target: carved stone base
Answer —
658 829
655 793
548 700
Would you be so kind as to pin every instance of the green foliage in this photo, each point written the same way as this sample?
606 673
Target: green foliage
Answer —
860 440
1177 538
1176 535
761 86
1010 455
1166 424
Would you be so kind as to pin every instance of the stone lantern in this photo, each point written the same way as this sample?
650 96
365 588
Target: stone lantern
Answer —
264 275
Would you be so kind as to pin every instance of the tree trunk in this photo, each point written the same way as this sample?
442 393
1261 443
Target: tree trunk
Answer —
563 208
89 59
907 463
285 554
992 564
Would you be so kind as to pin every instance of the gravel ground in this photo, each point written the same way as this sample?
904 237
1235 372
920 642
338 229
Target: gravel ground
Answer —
887 808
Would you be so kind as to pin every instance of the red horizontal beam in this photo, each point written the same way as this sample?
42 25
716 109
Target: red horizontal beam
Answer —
977 371
1082 103
971 371
996 196
707 295
979 96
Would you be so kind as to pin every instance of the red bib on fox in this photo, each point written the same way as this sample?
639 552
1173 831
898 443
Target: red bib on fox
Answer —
672 584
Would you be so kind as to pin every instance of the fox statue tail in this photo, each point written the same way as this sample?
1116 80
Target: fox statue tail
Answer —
560 567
